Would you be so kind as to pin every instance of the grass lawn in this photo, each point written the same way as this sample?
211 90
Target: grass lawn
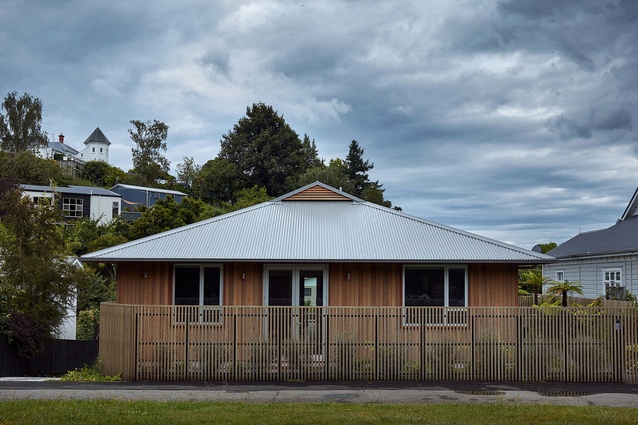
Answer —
54 412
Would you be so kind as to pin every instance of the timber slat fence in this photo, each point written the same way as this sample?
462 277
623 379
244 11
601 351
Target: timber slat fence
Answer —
205 343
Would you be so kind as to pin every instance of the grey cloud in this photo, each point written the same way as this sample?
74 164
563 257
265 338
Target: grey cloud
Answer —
582 124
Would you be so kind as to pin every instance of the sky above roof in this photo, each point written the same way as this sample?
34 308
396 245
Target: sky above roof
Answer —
512 119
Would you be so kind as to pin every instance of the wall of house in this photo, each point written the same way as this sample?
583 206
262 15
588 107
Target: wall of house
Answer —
349 284
589 272
145 283
102 207
493 285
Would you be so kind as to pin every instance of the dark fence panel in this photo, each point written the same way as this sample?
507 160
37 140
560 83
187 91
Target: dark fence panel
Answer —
58 357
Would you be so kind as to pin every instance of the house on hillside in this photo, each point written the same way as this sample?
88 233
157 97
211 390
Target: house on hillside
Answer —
140 198
79 201
96 148
604 261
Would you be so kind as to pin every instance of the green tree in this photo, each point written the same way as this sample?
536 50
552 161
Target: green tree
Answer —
532 280
27 168
150 139
358 168
335 174
34 263
20 127
266 151
217 182
167 214
103 174
563 289
187 172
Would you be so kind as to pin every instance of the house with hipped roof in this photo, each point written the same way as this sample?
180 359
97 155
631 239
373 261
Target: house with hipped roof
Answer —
317 246
315 284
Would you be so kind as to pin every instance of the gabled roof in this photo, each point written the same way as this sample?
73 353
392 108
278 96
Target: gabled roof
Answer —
76 190
299 227
97 137
62 148
620 238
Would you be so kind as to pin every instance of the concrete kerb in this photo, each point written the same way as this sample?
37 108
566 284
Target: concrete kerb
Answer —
343 392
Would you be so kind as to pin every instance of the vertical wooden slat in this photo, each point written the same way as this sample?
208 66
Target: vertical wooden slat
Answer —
579 344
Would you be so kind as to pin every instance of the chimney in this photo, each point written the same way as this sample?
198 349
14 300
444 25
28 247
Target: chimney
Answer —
61 138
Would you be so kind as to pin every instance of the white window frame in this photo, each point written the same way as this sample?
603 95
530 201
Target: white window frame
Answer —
451 314
612 278
560 275
215 309
72 209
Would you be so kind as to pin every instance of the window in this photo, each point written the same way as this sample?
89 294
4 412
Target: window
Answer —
72 207
442 286
614 288
560 276
198 286
93 150
101 150
116 209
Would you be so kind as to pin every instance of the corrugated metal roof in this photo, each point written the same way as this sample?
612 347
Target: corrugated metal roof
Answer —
317 231
78 190
148 189
97 137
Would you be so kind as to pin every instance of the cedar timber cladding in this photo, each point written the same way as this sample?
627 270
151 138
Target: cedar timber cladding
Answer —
317 193
363 246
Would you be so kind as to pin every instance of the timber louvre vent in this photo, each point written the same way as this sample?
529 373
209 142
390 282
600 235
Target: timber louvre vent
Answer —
480 392
559 393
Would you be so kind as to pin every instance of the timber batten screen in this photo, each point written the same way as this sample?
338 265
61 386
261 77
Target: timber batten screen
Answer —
575 344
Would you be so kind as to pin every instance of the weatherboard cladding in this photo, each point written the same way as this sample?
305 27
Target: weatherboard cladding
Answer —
316 231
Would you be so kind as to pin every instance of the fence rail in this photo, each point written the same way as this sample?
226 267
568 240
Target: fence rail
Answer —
574 344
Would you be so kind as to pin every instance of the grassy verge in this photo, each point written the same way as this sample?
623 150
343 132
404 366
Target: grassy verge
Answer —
34 412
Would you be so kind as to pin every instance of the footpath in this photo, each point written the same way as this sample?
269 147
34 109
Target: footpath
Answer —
612 395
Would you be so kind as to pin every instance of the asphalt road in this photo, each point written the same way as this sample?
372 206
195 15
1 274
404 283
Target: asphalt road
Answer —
613 395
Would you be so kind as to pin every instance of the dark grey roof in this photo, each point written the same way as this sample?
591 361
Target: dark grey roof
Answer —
78 190
288 230
619 238
97 137
62 148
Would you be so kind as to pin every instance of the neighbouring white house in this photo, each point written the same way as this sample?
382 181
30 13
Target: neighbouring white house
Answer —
96 148
79 201
605 261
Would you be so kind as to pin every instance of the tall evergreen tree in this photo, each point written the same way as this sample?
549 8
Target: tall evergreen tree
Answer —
358 168
266 151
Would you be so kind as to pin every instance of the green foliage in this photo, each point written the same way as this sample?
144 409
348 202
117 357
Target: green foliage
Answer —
101 174
90 374
357 168
34 262
532 281
187 172
216 182
335 174
87 323
266 151
563 289
150 139
249 197
20 126
167 214
27 168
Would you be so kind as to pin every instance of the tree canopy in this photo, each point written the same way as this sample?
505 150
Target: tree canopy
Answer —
20 126
150 140
265 151
35 270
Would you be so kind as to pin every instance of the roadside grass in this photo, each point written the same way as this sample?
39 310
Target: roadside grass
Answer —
53 412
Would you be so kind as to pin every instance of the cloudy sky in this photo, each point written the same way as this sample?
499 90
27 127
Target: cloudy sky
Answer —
513 119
